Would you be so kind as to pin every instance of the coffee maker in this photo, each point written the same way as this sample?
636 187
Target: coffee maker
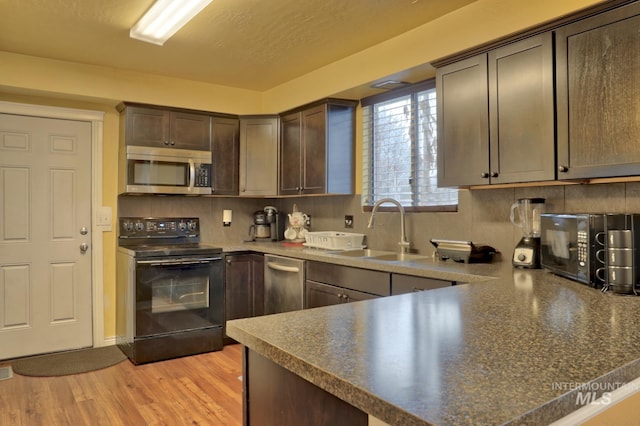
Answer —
268 225
525 214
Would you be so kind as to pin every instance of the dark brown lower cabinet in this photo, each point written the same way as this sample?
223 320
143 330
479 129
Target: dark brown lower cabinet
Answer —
401 284
330 284
319 294
244 286
275 396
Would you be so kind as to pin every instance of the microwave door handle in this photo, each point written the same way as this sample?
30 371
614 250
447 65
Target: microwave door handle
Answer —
192 175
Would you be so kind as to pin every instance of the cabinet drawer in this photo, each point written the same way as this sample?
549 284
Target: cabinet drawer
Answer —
374 282
401 284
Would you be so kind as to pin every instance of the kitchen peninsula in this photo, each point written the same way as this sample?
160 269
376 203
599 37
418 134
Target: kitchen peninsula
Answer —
509 350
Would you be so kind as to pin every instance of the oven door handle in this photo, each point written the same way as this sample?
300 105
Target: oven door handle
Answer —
182 261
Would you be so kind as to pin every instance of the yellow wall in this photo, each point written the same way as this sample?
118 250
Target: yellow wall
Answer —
49 82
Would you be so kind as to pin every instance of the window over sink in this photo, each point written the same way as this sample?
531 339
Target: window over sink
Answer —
400 150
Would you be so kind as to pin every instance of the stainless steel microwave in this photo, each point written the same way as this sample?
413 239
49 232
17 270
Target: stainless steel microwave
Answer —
166 171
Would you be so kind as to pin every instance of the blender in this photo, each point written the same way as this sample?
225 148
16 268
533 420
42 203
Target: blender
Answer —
525 214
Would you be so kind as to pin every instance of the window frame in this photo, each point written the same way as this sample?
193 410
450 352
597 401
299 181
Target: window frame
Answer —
410 90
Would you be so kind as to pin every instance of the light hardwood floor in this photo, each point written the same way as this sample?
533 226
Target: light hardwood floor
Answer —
196 390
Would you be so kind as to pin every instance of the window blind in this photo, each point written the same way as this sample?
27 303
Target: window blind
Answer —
400 149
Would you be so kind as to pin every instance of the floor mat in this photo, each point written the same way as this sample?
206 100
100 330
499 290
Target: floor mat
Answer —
72 362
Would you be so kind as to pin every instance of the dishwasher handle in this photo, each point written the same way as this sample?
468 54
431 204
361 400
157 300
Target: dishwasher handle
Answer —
284 268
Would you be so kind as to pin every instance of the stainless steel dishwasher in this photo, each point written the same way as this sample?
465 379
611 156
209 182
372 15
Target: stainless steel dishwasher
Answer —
283 284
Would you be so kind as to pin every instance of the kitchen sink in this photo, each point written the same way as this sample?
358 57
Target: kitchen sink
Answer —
399 257
379 255
363 253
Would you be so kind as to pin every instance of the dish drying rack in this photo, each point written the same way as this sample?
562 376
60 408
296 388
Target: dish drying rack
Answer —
332 240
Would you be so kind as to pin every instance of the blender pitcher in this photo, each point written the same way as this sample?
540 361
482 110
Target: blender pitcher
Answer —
525 214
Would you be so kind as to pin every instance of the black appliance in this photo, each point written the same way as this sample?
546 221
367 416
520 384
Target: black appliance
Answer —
571 246
268 225
170 290
463 251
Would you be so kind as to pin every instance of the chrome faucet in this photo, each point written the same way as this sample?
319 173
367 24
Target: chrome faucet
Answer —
405 245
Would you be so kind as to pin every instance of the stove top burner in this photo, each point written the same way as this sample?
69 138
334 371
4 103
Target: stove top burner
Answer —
144 250
155 237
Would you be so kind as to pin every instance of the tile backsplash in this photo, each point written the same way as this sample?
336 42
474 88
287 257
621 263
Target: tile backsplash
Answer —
482 216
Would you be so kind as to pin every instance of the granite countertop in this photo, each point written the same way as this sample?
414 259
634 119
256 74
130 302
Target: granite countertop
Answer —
426 267
511 350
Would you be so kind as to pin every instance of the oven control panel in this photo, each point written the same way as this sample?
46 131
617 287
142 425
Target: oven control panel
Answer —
145 227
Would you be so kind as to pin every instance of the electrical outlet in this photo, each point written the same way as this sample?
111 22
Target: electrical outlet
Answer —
348 221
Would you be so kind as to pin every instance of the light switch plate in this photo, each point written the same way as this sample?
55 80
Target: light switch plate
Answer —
104 218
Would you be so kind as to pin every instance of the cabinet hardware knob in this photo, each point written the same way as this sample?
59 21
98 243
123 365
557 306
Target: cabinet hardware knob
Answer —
563 169
166 142
173 143
484 175
494 174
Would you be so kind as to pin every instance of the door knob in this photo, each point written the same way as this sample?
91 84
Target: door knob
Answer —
84 230
84 247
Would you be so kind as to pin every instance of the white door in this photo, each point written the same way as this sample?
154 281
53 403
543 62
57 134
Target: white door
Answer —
45 223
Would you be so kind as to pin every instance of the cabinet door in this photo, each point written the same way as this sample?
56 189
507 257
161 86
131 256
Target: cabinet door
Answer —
364 280
355 296
259 156
290 155
463 123
244 286
147 127
318 294
225 156
314 158
190 131
401 284
598 87
522 128
257 284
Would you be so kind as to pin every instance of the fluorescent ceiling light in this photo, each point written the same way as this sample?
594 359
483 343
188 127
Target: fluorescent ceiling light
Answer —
165 18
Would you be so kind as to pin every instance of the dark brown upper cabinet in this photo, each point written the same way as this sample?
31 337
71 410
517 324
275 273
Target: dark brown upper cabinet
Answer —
259 139
598 93
225 157
166 128
521 111
317 149
463 122
496 116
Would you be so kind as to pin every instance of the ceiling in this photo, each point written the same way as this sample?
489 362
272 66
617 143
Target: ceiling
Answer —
249 44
